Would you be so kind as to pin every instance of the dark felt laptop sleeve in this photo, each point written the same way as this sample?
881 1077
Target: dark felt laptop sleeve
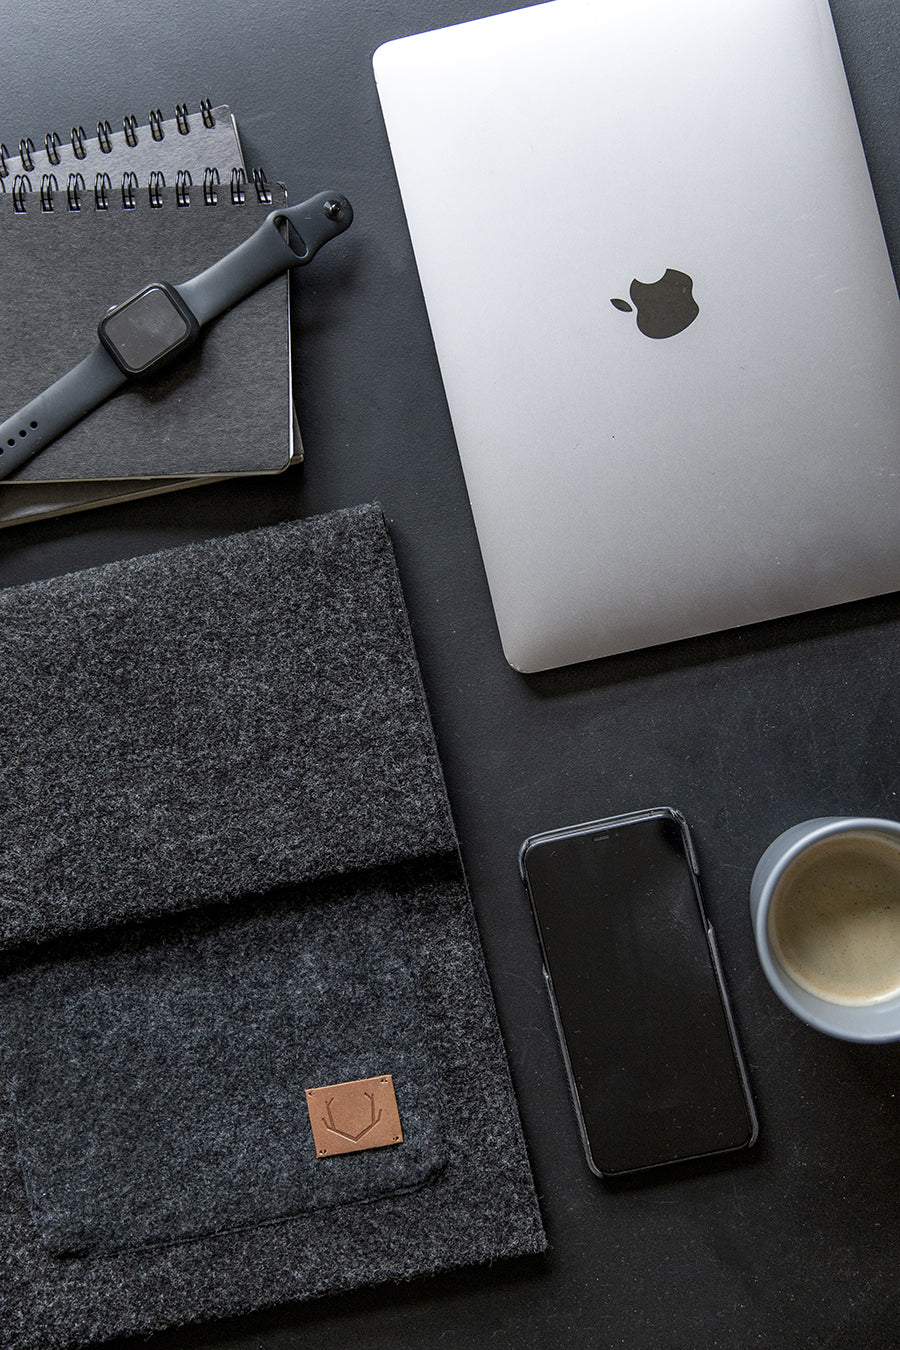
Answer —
228 874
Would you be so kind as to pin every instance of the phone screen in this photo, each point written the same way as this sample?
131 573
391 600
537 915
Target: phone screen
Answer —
652 1057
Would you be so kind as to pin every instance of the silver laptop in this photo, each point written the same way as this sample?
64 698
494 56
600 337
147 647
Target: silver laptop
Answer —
664 312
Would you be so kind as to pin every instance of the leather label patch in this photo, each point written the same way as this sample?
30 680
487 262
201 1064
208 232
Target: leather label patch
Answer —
348 1117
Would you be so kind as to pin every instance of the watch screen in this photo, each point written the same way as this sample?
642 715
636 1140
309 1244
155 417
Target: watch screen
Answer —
146 329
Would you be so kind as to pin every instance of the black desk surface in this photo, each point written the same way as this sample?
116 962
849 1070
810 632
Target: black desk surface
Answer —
746 732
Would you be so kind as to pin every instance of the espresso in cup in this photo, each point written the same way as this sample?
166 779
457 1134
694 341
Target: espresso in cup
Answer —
834 918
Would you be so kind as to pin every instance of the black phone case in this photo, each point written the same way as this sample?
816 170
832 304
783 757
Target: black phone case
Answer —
611 823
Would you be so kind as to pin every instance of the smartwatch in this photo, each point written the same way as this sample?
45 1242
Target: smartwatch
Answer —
162 322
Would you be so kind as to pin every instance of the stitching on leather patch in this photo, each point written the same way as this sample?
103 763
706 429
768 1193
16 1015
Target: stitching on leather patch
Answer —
349 1117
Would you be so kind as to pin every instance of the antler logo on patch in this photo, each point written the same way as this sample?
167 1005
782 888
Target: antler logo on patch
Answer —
349 1117
328 1119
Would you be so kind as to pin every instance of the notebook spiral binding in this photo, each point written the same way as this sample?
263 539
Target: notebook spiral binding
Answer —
64 159
76 196
79 142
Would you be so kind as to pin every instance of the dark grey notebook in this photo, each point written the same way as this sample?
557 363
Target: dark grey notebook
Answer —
225 410
230 875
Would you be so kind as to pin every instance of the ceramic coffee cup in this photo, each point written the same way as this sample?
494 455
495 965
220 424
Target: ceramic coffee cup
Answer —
825 904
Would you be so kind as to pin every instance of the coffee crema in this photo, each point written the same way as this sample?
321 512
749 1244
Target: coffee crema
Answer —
834 920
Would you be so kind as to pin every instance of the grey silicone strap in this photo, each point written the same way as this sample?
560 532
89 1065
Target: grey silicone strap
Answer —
266 254
55 410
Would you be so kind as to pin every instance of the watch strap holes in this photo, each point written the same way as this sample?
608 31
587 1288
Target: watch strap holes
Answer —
21 435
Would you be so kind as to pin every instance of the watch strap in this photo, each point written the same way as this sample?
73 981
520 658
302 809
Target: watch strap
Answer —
288 237
57 408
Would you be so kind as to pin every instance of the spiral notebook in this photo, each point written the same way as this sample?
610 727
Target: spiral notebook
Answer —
156 201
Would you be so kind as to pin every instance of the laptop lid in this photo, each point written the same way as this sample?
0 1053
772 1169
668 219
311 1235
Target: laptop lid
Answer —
663 309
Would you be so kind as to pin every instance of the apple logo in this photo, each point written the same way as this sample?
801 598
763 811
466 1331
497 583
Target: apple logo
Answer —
664 307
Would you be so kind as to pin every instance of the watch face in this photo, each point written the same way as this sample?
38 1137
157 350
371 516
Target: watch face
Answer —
147 330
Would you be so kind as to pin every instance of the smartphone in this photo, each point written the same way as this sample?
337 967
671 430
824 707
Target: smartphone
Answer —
636 986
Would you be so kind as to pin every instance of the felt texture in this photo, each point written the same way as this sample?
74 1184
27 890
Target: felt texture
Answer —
158 1087
229 874
195 725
